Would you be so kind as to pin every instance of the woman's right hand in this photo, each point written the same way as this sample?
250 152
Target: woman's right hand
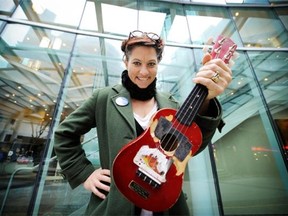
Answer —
97 181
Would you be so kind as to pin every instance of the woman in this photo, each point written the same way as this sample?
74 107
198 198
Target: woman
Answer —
121 113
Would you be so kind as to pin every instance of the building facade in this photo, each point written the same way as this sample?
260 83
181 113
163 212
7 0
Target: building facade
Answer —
53 54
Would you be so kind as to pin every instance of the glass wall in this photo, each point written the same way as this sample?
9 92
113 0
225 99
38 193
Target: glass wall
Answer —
54 54
249 157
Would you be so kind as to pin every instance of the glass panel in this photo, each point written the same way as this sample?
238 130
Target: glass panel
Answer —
88 70
170 20
250 24
206 22
209 1
272 73
7 7
283 16
32 64
114 65
64 12
89 19
256 2
2 24
252 175
202 197
124 17
175 72
277 1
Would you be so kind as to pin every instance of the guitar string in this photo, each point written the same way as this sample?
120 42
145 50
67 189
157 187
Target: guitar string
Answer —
200 101
190 100
183 122
200 92
226 60
193 101
179 123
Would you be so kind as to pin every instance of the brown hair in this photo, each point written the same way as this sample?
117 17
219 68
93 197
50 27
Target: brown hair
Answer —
129 44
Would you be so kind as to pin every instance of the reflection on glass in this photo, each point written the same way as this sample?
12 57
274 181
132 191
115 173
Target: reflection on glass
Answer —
250 166
85 69
251 181
237 92
206 22
283 15
170 21
260 28
85 73
125 17
176 71
64 12
7 7
272 73
89 19
32 66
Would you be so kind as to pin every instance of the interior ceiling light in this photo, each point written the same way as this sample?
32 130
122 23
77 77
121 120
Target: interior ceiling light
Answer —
234 1
37 6
44 43
57 44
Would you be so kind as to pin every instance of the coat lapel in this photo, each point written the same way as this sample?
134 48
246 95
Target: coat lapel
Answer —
124 110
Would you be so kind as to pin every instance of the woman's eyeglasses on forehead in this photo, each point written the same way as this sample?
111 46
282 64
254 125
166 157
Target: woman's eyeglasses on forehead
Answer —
138 33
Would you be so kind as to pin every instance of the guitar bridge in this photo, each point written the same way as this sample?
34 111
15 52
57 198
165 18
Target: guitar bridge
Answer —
147 179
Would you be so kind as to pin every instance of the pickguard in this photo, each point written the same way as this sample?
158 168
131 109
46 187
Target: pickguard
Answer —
165 128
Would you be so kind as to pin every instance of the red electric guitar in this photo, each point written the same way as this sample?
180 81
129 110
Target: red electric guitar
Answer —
149 171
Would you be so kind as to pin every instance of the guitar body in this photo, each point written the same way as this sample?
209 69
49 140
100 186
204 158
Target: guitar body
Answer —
150 171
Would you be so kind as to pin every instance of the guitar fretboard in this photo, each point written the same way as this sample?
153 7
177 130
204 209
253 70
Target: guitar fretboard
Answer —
223 49
187 112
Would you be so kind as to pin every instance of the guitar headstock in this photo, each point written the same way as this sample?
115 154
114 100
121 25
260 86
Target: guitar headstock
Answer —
223 49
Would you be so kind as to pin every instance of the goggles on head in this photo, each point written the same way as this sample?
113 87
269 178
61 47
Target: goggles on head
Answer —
139 34
148 38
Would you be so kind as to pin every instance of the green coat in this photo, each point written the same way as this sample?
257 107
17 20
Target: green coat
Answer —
115 127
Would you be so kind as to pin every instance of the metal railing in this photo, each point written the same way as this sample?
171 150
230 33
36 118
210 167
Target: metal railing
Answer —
11 180
28 169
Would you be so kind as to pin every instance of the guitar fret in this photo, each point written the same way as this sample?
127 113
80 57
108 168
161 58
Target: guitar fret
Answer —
194 101
187 112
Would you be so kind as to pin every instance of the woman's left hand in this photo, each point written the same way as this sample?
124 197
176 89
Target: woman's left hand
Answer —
212 67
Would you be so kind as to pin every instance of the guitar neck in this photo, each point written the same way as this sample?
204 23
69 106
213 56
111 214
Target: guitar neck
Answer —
222 49
187 112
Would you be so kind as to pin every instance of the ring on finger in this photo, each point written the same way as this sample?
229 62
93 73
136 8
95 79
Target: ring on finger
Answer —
215 77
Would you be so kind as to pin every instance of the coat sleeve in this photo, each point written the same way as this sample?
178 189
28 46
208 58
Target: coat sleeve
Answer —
209 123
76 168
